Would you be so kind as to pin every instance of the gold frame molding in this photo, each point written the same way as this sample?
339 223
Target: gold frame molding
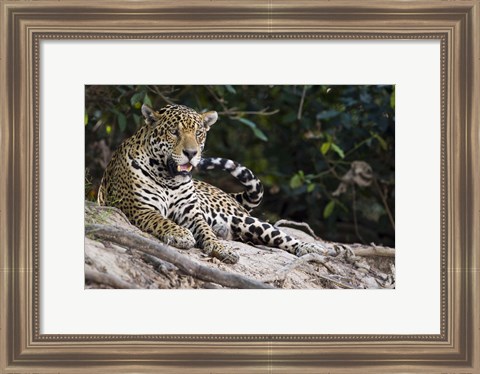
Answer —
24 24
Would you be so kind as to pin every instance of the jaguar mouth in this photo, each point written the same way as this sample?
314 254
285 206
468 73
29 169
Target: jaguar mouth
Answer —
175 169
184 168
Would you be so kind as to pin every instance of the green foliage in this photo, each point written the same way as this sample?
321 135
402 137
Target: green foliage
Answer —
299 140
256 131
327 212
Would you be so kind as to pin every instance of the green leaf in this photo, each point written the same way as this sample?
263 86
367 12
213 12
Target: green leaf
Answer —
147 100
310 187
122 121
328 209
85 120
137 99
230 89
325 147
392 99
327 114
382 142
296 181
258 133
338 150
247 122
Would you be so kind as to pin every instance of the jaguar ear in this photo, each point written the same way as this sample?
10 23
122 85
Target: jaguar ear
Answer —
150 115
209 118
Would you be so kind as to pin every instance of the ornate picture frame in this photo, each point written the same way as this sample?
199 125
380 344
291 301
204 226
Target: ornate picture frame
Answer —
456 24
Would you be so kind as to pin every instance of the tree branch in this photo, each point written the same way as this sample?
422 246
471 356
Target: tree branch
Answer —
306 226
282 274
137 242
300 107
374 250
107 279
385 204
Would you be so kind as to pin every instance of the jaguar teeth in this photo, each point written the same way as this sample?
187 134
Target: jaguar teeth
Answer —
186 167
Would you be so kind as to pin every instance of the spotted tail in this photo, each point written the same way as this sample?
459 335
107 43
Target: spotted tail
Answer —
253 194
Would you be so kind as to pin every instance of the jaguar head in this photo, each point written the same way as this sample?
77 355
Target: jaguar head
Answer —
177 137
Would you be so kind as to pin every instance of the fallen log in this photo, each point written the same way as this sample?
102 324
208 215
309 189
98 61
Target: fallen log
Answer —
137 242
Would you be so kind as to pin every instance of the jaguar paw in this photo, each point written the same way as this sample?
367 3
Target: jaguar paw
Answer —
180 237
218 250
305 248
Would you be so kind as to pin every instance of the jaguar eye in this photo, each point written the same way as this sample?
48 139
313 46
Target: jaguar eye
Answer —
175 132
199 133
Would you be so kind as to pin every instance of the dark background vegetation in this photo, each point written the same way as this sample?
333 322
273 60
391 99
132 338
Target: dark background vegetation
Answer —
299 140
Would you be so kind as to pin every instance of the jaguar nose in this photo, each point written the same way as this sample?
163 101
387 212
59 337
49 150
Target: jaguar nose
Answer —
190 153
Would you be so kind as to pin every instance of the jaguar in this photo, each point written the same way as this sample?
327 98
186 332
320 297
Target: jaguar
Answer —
149 178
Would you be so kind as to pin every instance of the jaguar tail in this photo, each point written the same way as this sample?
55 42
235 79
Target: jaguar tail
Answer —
253 194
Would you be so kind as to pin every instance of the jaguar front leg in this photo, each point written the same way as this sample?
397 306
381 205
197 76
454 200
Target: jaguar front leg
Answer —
208 242
164 229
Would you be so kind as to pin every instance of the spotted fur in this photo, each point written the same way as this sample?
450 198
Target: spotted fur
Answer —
253 194
149 178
